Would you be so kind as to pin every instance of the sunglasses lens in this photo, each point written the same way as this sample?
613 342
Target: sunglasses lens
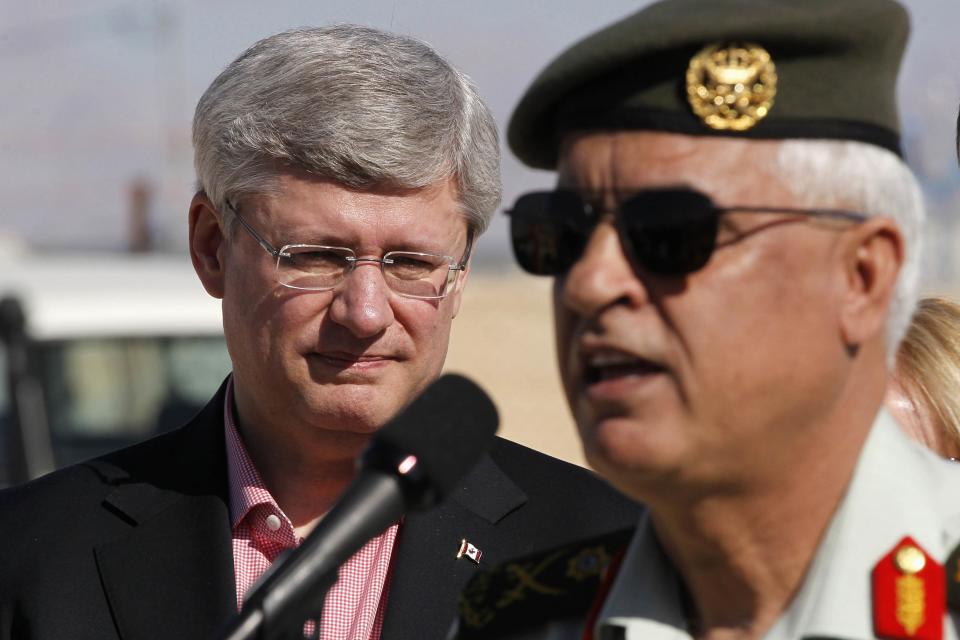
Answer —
547 230
670 232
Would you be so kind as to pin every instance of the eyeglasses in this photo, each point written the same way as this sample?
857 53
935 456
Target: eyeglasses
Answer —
312 267
668 232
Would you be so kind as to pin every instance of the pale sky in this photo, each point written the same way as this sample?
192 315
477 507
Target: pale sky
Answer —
97 94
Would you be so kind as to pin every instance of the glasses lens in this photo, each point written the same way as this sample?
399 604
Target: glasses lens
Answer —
312 267
548 231
669 231
418 275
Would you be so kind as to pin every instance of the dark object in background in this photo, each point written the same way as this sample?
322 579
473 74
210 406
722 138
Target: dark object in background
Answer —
26 433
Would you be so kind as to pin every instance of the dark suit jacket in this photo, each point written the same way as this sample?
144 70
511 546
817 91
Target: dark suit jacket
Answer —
137 545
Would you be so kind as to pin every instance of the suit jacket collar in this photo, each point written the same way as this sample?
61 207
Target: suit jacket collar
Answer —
172 575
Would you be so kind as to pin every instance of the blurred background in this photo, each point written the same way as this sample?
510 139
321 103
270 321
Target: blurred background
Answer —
96 174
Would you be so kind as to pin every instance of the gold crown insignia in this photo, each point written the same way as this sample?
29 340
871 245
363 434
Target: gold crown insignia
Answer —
731 86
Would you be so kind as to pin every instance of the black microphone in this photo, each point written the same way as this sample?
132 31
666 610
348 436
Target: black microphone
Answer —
411 463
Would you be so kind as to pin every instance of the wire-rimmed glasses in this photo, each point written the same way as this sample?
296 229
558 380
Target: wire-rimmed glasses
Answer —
312 267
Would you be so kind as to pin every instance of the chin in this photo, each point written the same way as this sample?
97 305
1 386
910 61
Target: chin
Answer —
624 447
356 419
353 412
643 481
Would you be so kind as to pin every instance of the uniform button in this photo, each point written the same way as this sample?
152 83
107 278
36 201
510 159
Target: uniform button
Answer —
273 522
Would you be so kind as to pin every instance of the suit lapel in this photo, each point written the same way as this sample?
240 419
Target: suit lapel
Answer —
171 575
427 576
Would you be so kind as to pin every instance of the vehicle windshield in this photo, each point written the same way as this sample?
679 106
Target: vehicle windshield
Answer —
102 393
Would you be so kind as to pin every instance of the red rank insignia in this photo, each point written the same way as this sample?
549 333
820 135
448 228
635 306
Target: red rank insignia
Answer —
909 594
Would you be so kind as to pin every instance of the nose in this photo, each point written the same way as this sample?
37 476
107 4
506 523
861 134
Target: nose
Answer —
361 303
603 276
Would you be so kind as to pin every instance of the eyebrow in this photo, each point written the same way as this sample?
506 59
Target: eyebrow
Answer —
334 240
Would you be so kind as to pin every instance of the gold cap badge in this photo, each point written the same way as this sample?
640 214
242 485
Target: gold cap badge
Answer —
731 86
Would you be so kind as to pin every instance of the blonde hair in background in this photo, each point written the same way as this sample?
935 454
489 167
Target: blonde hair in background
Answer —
928 363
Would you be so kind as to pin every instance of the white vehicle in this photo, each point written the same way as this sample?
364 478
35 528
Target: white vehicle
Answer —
100 351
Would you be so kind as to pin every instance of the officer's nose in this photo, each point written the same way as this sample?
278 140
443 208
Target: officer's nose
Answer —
602 276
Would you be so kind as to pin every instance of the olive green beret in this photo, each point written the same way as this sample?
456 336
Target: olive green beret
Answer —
746 68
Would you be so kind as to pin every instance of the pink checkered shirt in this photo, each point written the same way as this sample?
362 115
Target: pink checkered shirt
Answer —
355 605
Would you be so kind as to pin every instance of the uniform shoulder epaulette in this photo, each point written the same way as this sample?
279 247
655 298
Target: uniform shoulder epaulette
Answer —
533 589
909 593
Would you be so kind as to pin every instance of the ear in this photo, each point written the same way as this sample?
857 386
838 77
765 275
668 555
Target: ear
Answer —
207 244
457 292
872 261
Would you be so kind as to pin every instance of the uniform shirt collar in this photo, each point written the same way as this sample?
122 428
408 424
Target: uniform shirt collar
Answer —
897 490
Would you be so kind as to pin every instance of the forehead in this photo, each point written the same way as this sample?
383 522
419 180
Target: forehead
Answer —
310 209
731 171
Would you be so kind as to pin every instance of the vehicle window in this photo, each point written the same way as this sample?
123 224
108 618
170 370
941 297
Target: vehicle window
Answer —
102 394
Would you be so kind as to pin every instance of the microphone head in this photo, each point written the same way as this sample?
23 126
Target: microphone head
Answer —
436 439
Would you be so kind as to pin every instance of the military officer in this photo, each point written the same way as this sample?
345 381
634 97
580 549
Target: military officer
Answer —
734 239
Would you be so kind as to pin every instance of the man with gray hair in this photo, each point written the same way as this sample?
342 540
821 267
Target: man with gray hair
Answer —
734 240
344 177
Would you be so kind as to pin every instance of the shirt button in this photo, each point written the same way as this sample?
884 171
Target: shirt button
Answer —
273 522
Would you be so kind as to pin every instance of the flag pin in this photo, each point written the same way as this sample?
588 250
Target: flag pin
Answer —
470 551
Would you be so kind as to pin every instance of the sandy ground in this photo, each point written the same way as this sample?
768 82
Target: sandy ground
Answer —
503 339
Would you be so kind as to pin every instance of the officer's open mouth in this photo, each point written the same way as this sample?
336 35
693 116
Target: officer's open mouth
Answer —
601 368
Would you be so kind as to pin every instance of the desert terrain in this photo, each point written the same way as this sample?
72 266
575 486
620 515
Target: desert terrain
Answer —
503 339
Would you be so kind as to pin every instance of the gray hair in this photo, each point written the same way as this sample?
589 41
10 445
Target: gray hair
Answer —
873 181
362 107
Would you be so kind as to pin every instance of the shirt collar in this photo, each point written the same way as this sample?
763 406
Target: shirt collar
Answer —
646 597
247 489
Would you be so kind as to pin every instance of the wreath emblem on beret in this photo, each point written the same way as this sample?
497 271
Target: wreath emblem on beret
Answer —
731 86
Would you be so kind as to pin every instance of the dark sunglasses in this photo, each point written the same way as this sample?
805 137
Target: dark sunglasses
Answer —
667 232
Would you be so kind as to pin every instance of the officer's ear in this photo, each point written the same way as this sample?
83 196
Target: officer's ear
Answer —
873 256
208 243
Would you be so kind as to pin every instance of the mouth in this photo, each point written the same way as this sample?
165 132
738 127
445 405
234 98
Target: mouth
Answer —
616 366
353 361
